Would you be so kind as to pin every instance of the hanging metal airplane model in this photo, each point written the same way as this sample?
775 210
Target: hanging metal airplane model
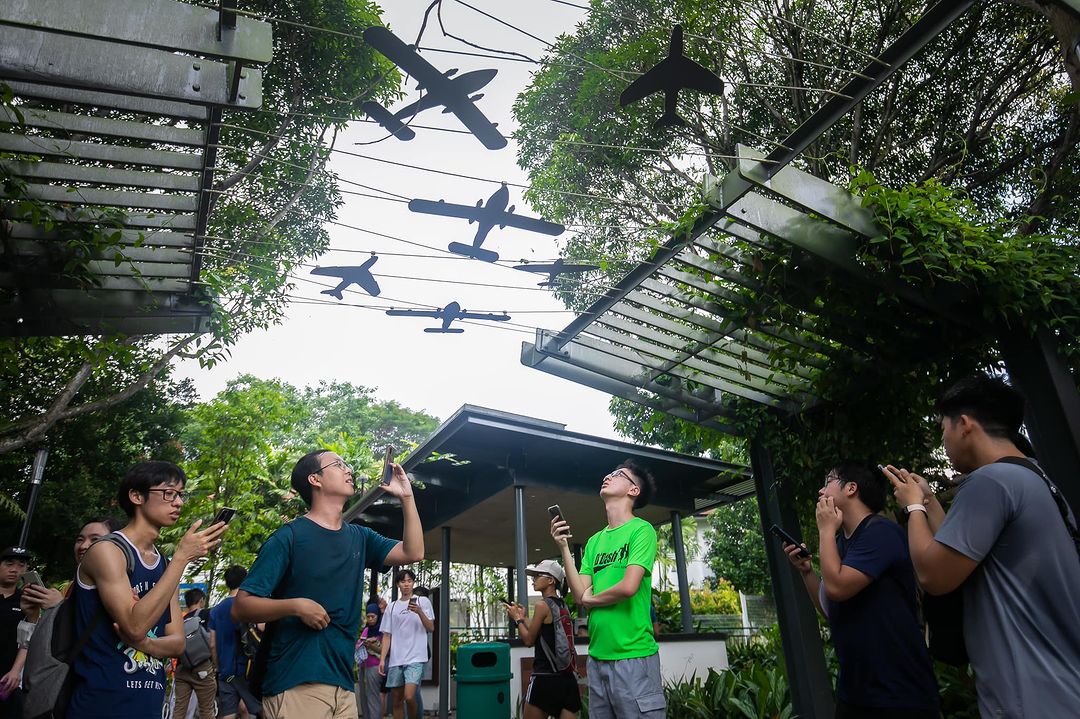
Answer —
360 275
448 314
440 91
494 213
554 269
674 73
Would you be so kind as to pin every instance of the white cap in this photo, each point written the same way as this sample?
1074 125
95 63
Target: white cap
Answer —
548 567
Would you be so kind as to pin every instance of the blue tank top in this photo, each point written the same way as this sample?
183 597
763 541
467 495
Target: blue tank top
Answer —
114 681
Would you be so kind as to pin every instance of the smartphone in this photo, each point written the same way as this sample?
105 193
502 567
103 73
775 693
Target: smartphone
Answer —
388 469
32 577
784 536
555 512
225 514
413 600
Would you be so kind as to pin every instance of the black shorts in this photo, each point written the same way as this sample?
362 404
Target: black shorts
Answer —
554 693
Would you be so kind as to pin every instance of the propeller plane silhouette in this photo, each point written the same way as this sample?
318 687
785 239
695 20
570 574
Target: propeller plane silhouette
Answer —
453 95
554 269
448 314
487 217
360 275
674 73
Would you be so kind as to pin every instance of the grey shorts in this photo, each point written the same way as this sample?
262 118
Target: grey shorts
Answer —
626 688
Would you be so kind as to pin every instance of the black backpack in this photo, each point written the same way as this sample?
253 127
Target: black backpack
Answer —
55 645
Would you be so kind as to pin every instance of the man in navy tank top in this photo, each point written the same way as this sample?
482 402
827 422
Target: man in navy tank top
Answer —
119 674
309 580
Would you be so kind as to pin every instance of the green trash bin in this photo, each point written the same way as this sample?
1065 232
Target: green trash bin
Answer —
483 681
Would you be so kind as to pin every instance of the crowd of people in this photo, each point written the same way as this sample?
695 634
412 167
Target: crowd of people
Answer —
297 638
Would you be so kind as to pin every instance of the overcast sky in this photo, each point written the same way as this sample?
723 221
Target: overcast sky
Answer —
433 372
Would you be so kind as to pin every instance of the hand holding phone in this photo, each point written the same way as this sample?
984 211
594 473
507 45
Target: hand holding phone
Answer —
32 577
225 514
786 537
388 467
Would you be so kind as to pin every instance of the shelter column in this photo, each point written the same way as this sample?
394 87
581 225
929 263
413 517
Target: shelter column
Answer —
811 690
680 570
520 546
444 628
1052 413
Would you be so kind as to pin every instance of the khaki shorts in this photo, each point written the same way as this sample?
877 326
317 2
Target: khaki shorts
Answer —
311 701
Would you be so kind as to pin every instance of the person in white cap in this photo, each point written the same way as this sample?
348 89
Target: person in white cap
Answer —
553 687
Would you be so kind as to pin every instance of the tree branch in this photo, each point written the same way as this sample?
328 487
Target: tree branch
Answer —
258 157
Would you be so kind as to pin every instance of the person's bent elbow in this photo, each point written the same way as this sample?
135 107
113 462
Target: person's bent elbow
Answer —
241 610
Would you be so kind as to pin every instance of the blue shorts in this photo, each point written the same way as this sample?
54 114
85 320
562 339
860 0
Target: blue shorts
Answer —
407 674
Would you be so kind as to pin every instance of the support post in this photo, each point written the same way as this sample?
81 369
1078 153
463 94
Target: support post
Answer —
578 549
444 628
811 690
680 570
35 489
1053 405
373 583
520 547
512 628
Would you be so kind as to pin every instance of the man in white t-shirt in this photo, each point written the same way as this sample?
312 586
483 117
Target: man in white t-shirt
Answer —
405 628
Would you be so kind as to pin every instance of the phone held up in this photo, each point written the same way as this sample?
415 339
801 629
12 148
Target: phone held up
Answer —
785 536
225 514
32 577
388 467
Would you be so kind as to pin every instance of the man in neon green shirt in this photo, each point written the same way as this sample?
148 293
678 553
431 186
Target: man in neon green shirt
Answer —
615 585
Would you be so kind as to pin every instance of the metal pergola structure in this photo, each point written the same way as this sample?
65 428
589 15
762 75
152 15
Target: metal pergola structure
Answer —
683 333
120 103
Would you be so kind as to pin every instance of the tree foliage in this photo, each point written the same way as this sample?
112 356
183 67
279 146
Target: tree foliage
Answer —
736 547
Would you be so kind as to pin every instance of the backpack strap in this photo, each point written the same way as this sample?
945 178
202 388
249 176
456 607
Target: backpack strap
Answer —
548 650
1055 493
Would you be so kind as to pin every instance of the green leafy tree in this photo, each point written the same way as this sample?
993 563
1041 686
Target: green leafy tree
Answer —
736 547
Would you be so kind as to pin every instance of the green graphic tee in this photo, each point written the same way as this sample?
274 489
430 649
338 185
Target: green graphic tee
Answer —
622 630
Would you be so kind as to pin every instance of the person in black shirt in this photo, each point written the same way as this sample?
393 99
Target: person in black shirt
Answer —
867 592
551 692
13 562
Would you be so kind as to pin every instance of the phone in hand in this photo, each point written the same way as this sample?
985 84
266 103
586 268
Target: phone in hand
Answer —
388 467
32 577
785 536
413 601
555 512
225 514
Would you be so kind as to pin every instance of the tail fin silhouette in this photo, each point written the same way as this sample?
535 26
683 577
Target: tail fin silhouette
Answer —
333 293
670 118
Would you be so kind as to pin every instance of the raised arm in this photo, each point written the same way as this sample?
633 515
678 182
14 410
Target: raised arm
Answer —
411 548
579 583
529 631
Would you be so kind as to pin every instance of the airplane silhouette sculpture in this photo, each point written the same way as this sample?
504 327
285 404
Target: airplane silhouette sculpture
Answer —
448 314
554 269
673 73
441 91
351 276
486 217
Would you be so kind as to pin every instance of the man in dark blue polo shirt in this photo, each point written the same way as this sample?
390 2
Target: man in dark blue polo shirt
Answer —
867 593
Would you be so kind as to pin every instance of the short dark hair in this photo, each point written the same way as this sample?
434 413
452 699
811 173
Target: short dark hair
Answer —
646 482
995 404
235 576
421 591
111 523
304 468
145 475
193 596
872 484
401 575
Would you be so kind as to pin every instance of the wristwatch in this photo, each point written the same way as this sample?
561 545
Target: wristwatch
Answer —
519 621
915 508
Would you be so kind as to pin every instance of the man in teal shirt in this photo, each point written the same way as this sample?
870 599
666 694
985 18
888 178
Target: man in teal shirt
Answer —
615 585
309 580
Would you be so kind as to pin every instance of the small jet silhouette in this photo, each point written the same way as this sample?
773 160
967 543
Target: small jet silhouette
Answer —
673 73
454 95
448 314
554 269
351 276
486 217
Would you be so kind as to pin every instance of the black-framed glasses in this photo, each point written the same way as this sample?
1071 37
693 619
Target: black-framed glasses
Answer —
171 495
622 473
336 463
832 477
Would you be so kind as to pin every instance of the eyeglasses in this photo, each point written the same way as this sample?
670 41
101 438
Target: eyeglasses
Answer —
622 473
336 463
832 477
171 495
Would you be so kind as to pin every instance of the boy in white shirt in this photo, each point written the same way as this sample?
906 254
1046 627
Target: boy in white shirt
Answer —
405 627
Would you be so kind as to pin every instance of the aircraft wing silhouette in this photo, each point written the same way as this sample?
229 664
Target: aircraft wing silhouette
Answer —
672 73
446 209
436 314
437 85
483 316
531 224
549 268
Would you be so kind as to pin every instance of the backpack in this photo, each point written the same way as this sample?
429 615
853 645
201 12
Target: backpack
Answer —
563 656
47 676
196 643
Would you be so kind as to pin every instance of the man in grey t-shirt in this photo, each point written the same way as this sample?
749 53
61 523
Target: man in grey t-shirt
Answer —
1005 542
